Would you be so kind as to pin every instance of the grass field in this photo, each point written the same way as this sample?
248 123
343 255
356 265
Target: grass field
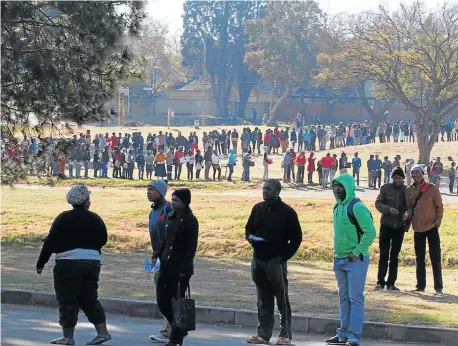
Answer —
227 282
28 213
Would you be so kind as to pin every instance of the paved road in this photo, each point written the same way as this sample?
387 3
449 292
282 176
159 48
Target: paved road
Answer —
35 326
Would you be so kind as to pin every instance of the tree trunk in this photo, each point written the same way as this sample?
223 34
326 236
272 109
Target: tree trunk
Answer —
282 100
425 142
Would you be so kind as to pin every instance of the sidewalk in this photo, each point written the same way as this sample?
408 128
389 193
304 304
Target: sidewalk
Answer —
36 326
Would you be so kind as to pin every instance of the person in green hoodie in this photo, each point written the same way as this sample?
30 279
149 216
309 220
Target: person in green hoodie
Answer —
354 232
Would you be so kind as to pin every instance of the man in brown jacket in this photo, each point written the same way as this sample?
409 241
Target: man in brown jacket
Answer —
425 209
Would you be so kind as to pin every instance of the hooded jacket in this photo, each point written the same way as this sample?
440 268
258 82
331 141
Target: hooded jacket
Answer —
345 233
231 158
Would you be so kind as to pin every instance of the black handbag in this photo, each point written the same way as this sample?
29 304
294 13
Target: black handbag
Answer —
184 311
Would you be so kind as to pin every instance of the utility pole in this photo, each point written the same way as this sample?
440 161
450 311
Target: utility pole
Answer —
155 68
204 74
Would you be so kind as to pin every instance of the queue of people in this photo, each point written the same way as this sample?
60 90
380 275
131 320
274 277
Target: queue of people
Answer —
166 157
274 231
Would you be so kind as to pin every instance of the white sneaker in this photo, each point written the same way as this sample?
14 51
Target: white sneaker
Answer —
159 337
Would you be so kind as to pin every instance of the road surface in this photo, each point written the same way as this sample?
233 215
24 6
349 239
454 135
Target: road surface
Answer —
36 326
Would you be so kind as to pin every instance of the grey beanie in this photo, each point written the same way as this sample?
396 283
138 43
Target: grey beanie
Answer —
160 186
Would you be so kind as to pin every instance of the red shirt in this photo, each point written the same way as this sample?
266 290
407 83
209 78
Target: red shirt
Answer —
311 166
267 138
114 142
179 154
301 160
327 161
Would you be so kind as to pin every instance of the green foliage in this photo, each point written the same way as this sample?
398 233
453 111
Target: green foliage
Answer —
282 47
61 59
220 25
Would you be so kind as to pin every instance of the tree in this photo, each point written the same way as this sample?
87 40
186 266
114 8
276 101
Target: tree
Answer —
410 55
219 26
61 59
282 47
154 47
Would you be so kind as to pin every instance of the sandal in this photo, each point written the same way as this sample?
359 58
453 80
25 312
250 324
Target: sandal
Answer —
62 341
99 339
257 340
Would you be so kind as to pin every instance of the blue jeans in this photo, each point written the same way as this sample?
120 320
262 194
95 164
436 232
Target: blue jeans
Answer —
104 169
351 278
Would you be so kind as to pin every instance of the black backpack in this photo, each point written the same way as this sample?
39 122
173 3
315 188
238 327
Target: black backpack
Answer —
352 217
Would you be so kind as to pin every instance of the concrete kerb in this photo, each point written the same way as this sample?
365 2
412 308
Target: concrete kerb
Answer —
299 323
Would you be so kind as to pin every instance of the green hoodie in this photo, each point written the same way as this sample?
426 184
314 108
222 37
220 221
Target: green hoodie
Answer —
345 234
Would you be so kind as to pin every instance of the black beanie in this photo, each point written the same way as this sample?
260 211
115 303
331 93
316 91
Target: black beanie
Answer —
398 171
184 195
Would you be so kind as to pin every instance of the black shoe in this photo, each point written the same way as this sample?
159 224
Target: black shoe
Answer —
334 341
379 287
439 293
392 288
352 343
419 290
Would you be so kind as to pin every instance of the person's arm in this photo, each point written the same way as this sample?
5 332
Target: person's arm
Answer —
380 203
102 235
294 236
437 200
192 235
48 243
363 216
249 228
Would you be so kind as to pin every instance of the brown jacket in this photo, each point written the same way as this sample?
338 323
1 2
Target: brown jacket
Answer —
429 210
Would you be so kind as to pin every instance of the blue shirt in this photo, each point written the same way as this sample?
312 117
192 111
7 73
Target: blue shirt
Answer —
156 225
356 162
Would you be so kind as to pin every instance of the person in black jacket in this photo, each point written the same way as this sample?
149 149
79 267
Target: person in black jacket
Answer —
274 231
77 237
176 254
391 203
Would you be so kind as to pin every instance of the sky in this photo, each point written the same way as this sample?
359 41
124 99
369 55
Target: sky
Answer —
170 11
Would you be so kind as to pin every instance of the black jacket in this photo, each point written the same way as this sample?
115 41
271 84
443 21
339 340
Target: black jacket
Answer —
179 246
279 225
391 197
78 228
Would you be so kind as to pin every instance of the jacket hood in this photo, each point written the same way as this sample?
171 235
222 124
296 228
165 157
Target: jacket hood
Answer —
311 154
349 184
231 151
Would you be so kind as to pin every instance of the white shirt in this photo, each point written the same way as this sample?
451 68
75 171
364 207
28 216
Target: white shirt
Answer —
216 159
190 159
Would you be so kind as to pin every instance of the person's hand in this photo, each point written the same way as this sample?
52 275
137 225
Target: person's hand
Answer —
406 216
352 257
39 271
153 260
393 211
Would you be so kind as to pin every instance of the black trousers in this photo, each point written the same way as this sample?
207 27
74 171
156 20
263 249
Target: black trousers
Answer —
390 243
270 278
76 283
434 254
166 290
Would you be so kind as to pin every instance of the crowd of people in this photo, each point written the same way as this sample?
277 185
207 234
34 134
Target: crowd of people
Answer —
274 231
166 156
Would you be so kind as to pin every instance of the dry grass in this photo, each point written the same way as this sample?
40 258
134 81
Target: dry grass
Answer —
227 282
28 213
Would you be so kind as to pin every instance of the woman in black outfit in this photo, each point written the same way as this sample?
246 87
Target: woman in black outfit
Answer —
177 259
76 237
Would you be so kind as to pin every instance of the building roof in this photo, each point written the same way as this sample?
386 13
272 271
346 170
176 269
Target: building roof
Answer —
197 85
